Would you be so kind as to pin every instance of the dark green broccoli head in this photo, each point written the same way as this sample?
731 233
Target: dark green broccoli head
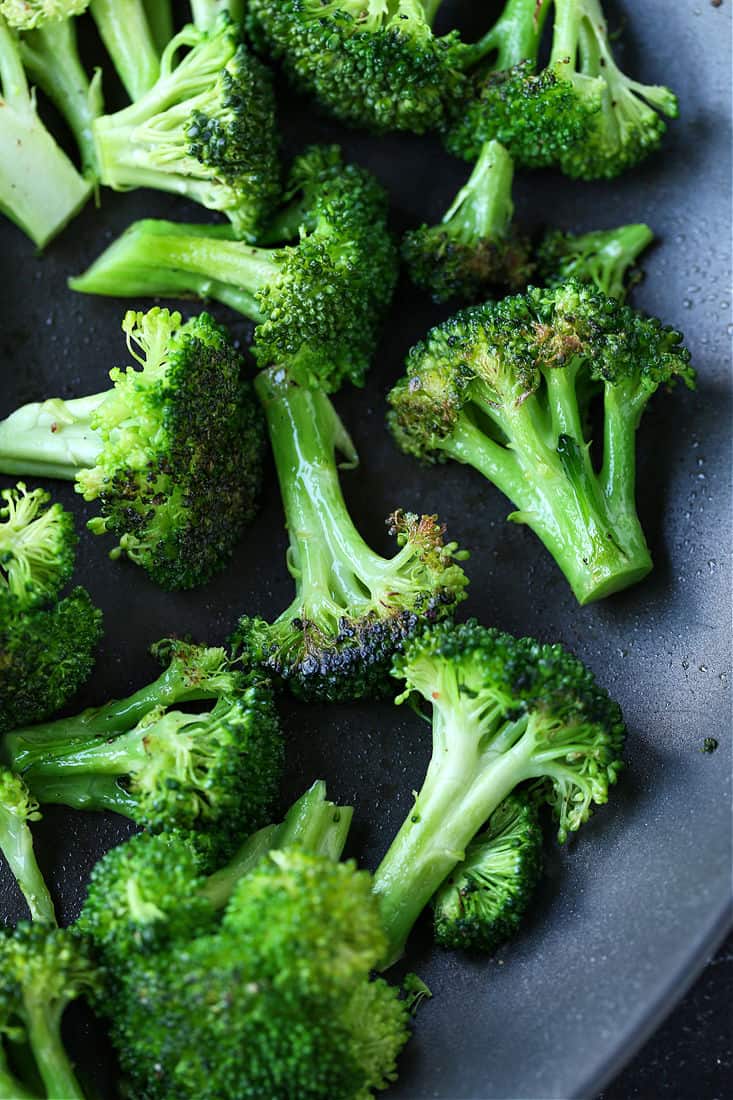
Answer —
46 654
370 64
37 546
448 268
604 258
181 441
482 903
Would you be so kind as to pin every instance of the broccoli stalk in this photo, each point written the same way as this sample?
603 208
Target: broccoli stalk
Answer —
506 711
124 28
604 257
206 12
160 20
514 38
475 247
205 129
502 387
17 810
40 190
351 607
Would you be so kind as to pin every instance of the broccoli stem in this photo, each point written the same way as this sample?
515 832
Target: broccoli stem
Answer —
125 31
206 12
40 190
160 20
515 37
16 844
50 439
10 1087
84 792
43 1022
484 207
51 56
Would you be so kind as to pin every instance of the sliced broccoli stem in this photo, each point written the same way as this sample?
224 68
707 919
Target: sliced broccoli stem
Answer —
51 56
160 20
84 792
206 12
16 844
125 31
484 207
40 190
52 438
43 1021
515 37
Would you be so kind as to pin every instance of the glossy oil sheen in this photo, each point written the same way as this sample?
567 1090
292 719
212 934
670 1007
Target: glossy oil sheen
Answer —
628 912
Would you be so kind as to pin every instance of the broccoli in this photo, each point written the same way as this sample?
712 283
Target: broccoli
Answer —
605 257
317 304
172 451
352 608
205 130
505 711
475 248
159 14
165 768
48 48
482 902
581 112
276 1002
128 37
40 189
47 644
501 387
42 970
17 810
206 12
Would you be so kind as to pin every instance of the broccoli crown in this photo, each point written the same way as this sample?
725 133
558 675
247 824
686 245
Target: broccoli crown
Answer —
288 1010
37 546
26 14
205 129
367 65
178 471
475 248
15 798
482 902
603 257
504 387
46 654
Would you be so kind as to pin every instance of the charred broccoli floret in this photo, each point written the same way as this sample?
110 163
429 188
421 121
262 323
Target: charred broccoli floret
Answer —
17 810
352 608
205 130
475 248
482 902
172 452
317 304
506 711
605 257
501 387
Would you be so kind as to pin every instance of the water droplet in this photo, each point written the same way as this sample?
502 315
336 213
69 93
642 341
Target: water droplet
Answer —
686 303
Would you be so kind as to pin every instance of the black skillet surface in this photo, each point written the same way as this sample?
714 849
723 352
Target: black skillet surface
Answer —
626 913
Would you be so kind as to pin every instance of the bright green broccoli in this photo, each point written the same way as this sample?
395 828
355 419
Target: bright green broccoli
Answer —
206 12
475 248
130 41
352 608
42 970
501 387
163 765
606 258
172 451
277 1002
37 546
40 189
482 902
581 112
159 14
506 711
17 810
317 304
205 130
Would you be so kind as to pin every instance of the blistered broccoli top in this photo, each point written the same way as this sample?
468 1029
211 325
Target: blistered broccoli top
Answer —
206 129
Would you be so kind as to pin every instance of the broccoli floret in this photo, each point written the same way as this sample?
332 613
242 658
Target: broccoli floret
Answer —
40 189
505 711
206 12
42 970
502 387
475 248
604 257
352 608
368 63
317 304
37 546
277 1002
50 54
172 452
205 130
128 37
482 902
17 810
165 768
581 112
